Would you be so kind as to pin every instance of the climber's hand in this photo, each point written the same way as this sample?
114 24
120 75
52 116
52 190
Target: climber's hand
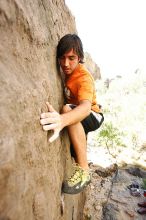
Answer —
51 120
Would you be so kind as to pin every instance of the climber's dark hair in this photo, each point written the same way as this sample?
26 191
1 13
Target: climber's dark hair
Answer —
68 42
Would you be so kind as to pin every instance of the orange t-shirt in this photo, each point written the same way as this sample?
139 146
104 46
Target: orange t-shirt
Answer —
80 86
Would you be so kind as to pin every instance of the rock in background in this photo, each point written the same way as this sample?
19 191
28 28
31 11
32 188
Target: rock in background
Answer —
92 66
32 169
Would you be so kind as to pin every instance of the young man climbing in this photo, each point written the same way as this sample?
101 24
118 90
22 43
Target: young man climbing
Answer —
80 115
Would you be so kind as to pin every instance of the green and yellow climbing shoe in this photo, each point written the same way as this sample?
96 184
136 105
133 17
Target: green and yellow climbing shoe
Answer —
76 183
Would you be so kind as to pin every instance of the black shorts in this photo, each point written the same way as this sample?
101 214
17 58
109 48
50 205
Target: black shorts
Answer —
90 123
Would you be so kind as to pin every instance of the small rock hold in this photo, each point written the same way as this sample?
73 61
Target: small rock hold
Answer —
130 213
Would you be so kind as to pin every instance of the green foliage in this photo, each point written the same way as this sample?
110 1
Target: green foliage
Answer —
144 184
110 136
134 138
123 104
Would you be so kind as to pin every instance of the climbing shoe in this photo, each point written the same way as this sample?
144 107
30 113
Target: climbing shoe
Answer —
76 183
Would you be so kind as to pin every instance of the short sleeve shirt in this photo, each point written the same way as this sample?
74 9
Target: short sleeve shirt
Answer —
80 86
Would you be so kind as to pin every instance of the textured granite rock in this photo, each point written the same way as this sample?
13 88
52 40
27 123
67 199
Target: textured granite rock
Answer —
32 169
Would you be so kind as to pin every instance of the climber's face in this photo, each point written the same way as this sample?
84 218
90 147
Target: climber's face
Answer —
69 61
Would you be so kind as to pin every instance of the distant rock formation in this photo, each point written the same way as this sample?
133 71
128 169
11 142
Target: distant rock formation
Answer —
92 66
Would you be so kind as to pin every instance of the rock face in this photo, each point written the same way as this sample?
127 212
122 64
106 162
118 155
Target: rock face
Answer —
109 196
92 66
32 169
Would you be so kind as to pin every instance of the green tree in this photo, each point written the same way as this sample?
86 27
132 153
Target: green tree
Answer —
110 137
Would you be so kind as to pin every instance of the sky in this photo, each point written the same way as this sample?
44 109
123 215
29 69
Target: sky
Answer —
113 32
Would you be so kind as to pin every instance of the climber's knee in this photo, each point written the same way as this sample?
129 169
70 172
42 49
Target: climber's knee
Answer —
66 108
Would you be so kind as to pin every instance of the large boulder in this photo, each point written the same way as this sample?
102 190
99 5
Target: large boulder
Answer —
32 169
